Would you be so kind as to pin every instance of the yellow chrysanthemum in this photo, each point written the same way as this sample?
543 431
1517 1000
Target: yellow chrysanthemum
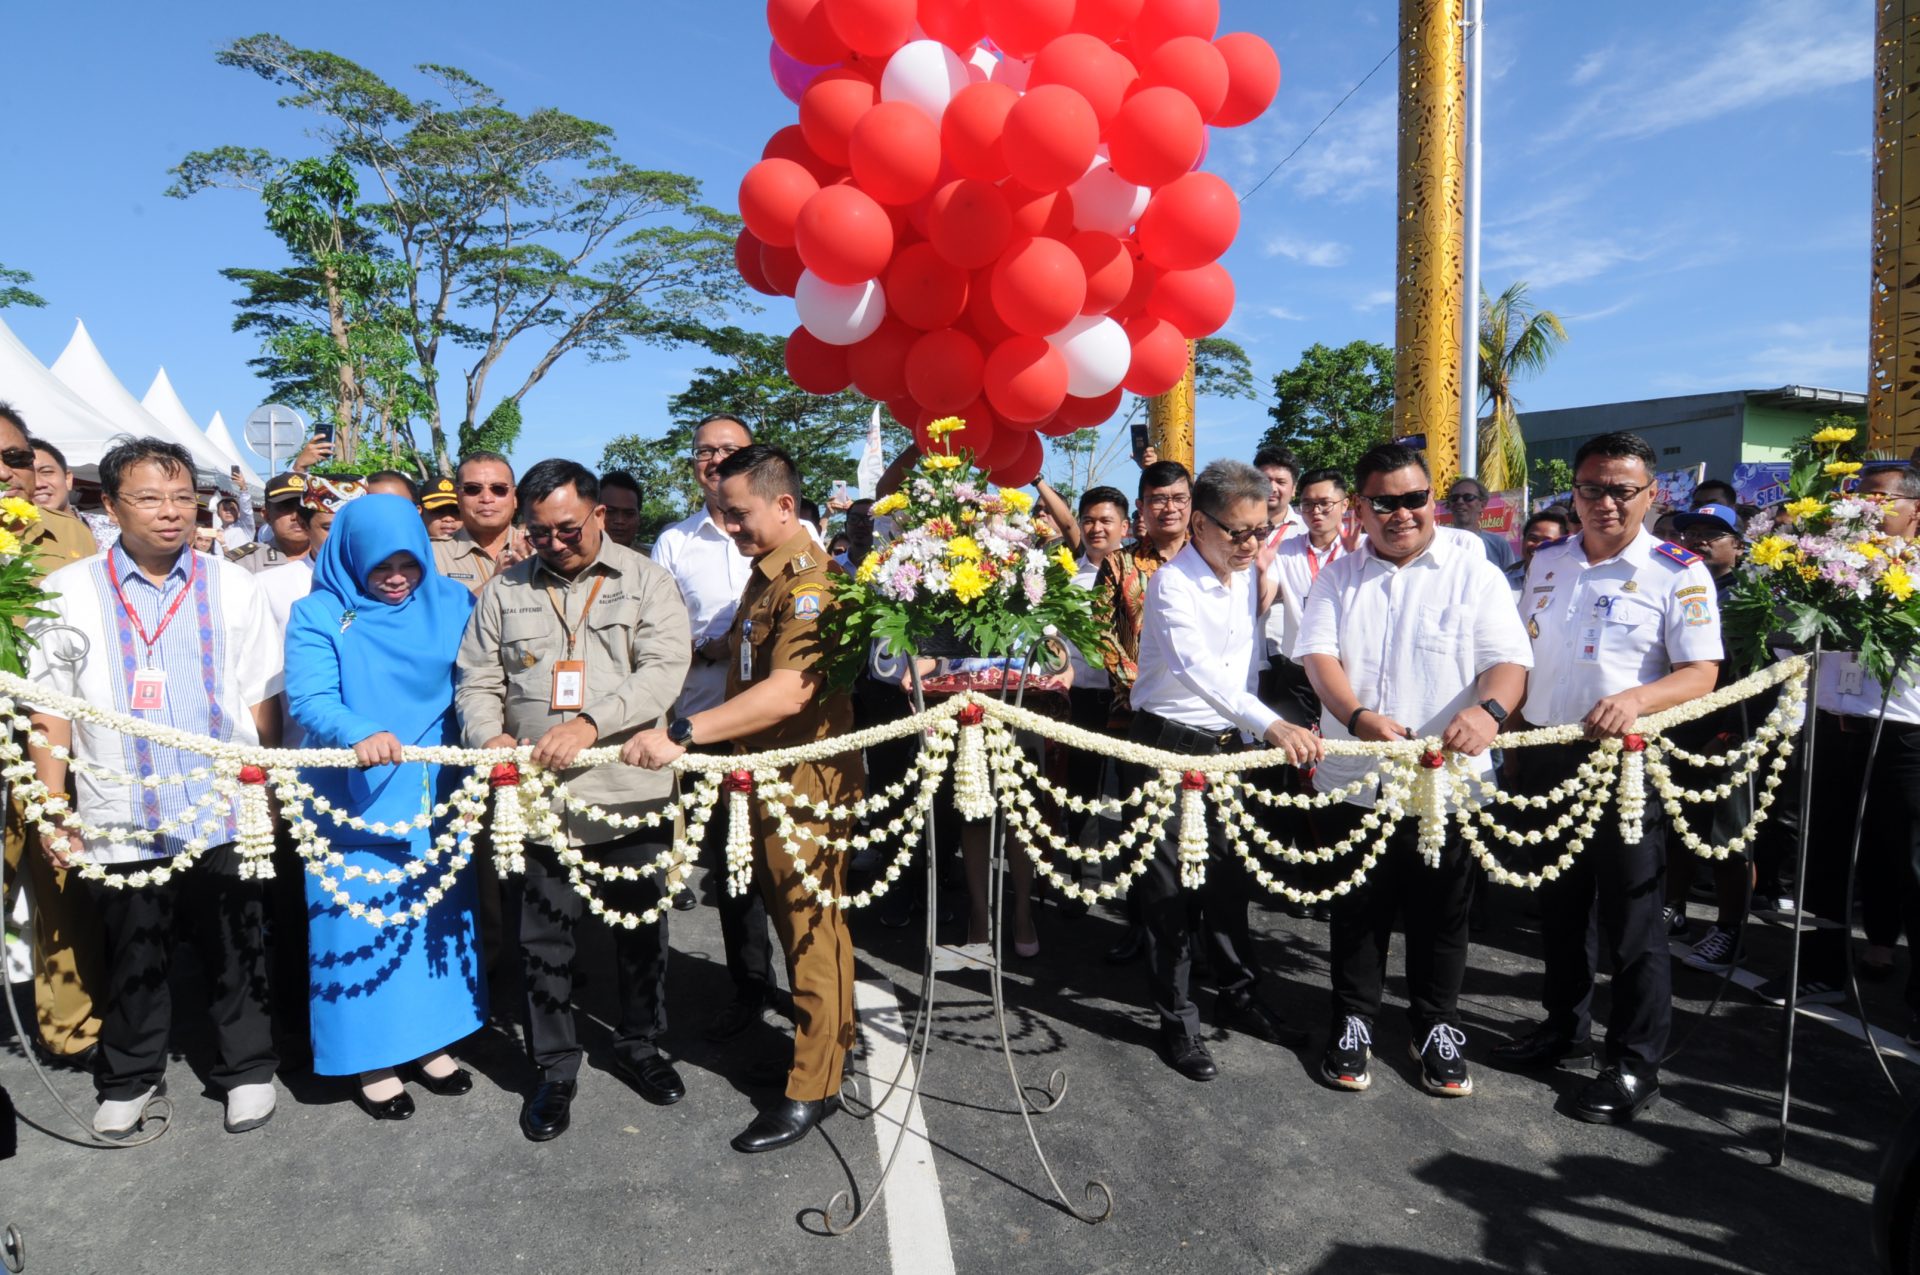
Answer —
1868 550
1835 434
9 543
19 511
964 547
889 505
935 464
968 582
1806 507
1770 552
944 426
1896 583
1809 572
1841 468
1065 558
869 568
968 515
1017 502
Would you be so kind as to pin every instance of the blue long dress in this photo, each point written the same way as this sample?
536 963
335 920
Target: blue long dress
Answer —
358 665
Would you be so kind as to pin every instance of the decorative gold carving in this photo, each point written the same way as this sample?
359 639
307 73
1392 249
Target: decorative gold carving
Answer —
1170 419
1893 337
1431 278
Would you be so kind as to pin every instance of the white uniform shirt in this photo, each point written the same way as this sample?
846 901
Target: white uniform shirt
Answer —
712 573
1085 676
1413 640
1847 688
1296 565
1200 648
1290 528
1603 627
282 586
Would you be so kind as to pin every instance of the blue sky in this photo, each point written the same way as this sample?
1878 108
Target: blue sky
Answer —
1687 185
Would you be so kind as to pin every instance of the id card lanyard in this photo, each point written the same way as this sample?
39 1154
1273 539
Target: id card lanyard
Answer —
148 692
570 675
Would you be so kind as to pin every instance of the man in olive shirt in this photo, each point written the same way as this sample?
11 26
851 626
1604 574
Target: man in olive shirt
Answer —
776 700
487 542
581 645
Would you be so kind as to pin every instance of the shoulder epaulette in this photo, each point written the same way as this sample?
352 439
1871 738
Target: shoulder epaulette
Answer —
1676 555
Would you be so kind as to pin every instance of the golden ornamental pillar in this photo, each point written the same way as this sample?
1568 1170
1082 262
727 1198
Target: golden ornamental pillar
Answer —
1893 335
1170 418
1430 282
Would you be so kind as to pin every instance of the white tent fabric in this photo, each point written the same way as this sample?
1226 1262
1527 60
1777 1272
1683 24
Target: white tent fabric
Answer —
223 439
164 403
52 410
85 371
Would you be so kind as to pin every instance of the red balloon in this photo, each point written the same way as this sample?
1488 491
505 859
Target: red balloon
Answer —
1056 426
782 267
1050 137
1107 19
1198 302
924 289
905 412
1008 445
1022 27
791 143
968 223
945 371
1090 68
746 259
895 152
1156 137
1038 286
771 196
1024 470
1253 77
878 364
1145 275
1026 379
801 28
1162 20
971 129
815 366
976 436
1189 222
843 236
873 27
1193 66
1160 356
1048 213
958 24
1085 413
830 108
1109 269
983 319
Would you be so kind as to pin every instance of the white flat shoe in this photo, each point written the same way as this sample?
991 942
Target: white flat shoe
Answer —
120 1117
249 1106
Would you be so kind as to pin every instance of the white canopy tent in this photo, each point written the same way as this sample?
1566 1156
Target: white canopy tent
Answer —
86 373
164 404
217 431
51 409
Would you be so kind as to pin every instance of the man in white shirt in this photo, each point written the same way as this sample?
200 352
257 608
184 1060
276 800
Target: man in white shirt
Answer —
1623 625
712 573
1296 562
182 640
1193 693
1412 636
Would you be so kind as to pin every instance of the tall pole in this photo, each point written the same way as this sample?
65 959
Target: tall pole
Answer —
1470 256
1429 285
1893 338
1170 419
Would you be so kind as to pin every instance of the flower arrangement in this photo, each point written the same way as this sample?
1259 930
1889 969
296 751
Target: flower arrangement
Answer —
21 597
1821 566
966 563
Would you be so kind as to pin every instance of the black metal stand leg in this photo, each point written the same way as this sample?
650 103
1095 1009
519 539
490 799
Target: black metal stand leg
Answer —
1799 904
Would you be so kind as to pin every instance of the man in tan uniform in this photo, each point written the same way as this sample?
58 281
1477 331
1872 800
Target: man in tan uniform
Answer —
487 542
776 700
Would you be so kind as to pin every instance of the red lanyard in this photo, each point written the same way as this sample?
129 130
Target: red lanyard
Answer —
113 574
1313 557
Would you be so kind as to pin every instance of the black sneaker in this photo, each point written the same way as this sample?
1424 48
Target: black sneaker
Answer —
1675 919
1443 1068
1813 991
1344 1065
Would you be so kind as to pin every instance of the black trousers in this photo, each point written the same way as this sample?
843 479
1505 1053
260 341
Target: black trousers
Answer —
550 913
1175 917
1433 903
1286 689
211 907
1614 894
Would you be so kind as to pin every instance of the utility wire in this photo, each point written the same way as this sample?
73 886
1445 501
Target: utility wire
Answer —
1323 122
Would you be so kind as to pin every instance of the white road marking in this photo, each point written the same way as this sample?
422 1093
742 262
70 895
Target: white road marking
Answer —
917 1239
1834 1016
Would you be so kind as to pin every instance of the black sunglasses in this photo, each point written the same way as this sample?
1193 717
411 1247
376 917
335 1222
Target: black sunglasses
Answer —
17 457
1241 536
474 489
1384 505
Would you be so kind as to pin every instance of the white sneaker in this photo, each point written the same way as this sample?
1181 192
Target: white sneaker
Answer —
249 1106
120 1117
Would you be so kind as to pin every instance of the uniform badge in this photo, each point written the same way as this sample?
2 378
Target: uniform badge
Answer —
1533 627
528 659
1692 591
806 602
347 618
803 562
1696 612
1540 603
1675 554
1549 575
1631 586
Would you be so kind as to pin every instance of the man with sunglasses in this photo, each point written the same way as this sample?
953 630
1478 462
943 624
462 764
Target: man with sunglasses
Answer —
1466 501
1623 625
1194 692
1411 636
487 542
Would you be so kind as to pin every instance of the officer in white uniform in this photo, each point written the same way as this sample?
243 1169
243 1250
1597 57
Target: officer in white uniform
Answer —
1623 625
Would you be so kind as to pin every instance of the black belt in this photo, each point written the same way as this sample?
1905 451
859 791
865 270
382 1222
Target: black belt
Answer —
1178 736
1859 724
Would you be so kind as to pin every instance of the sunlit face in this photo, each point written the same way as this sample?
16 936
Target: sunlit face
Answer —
713 443
318 525
1617 511
1231 539
486 499
394 578
52 483
229 512
1280 482
757 524
1466 501
1402 534
1898 513
565 529
156 507
1164 510
16 461
1102 527
1323 506
623 515
205 539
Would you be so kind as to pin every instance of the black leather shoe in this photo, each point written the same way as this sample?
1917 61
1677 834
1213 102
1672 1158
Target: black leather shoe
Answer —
1540 1049
1250 1014
1188 1055
685 901
398 1107
1615 1096
1131 944
653 1077
786 1122
736 1018
451 1085
548 1110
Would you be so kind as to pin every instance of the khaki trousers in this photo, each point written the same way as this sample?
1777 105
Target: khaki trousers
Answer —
818 950
69 951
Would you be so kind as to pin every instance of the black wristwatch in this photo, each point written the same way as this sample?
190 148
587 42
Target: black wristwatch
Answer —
1497 713
680 731
1355 718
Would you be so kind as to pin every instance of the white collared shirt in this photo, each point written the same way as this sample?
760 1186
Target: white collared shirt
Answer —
1599 628
1289 529
1085 676
1847 688
1296 565
712 573
1200 648
1413 639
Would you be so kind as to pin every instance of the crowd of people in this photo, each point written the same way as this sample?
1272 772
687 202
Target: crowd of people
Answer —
1248 605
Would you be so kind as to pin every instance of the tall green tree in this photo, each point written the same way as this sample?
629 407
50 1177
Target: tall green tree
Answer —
1517 340
1333 404
513 229
14 290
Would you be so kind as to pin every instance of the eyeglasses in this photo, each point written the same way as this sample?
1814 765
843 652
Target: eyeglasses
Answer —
720 452
498 489
148 501
1384 505
1167 501
1618 493
564 535
1241 536
1466 498
1321 506
17 457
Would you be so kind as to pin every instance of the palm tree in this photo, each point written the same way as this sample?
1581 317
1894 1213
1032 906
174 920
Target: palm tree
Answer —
1517 340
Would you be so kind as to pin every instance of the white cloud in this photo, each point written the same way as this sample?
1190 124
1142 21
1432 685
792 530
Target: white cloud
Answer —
1351 157
1829 352
1546 244
1604 312
1324 254
1374 300
1590 67
1281 313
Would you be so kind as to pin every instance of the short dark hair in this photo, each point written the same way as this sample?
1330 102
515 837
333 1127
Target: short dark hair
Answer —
771 472
1277 457
42 445
1334 476
1909 478
1553 514
1700 496
469 458
711 417
129 451
1618 444
8 412
1478 486
1164 473
550 476
1104 496
809 509
1387 458
395 476
621 480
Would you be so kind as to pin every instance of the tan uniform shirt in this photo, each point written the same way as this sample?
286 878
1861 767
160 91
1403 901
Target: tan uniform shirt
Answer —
459 558
635 642
258 557
58 538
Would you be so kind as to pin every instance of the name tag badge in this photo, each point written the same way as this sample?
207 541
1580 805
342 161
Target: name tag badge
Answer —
569 686
149 690
1852 679
746 651
1589 652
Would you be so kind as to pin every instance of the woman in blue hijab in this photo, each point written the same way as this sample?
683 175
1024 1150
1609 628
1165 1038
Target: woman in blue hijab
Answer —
370 666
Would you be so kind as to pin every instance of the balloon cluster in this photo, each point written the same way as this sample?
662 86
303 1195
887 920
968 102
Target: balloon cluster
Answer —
993 209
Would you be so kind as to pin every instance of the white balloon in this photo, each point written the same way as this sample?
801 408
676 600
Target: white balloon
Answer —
839 314
1104 200
1013 73
1097 354
981 64
926 73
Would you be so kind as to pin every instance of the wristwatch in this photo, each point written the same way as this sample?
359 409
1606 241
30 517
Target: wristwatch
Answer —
680 731
1497 713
